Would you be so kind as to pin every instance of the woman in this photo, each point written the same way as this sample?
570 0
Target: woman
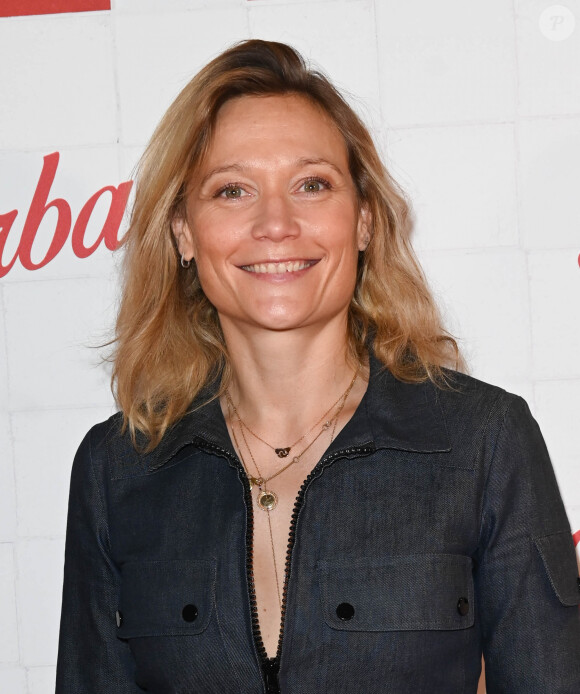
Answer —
297 495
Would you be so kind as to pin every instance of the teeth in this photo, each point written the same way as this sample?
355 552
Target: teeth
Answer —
278 268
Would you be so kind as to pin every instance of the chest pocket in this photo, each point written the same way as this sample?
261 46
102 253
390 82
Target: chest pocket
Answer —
398 593
166 598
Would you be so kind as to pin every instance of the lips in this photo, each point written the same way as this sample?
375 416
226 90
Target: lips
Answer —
280 267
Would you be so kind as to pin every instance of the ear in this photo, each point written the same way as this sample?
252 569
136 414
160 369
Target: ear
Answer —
183 237
363 229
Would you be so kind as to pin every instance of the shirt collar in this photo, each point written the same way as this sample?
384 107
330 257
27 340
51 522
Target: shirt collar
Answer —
392 414
398 415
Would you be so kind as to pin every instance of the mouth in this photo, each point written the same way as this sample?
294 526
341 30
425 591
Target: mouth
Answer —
280 267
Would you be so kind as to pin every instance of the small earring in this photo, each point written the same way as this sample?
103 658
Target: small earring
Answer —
185 263
366 240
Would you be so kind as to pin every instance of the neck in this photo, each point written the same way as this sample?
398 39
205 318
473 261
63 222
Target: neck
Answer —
284 381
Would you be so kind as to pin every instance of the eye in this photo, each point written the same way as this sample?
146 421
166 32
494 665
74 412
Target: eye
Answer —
315 185
232 191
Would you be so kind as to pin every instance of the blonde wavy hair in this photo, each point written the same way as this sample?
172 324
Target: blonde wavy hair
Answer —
168 339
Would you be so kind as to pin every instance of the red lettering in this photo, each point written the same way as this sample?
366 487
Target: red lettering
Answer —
576 537
6 222
38 209
109 234
40 206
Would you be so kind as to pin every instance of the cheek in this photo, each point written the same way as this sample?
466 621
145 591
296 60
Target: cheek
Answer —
210 240
343 271
216 236
347 241
209 272
216 274
213 287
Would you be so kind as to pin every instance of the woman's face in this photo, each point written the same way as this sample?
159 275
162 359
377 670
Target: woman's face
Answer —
273 221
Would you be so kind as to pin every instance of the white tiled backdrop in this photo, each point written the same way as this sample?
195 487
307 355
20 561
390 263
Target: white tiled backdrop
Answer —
478 115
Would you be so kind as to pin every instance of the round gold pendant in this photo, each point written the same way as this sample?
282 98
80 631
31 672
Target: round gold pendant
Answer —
267 500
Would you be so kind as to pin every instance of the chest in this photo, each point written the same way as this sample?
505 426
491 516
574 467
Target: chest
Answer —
344 542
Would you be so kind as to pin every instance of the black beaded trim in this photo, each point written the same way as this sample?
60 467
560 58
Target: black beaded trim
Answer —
271 666
315 472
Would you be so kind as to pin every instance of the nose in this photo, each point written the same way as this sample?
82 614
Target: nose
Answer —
275 218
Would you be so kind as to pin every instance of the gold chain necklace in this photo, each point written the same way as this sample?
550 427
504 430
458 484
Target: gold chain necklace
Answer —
268 516
283 452
268 499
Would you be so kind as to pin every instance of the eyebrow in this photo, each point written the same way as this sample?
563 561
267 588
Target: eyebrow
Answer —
305 161
240 168
221 169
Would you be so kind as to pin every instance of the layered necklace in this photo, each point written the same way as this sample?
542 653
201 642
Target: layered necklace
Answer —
267 499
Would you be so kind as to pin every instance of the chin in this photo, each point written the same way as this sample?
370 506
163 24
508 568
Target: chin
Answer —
282 317
281 324
295 321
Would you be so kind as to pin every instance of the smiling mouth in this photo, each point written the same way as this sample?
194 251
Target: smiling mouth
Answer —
279 268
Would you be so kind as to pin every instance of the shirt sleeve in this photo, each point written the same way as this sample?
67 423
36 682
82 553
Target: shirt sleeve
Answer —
527 574
91 659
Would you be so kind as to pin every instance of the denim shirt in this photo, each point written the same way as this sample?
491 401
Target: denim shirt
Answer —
432 530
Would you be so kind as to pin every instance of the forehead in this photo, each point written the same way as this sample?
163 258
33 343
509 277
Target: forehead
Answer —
273 123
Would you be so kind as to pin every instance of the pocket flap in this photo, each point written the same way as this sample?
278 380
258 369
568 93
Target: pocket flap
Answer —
559 557
398 593
165 598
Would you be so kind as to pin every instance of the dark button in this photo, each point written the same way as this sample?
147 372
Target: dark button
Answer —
345 611
189 613
118 618
463 606
578 579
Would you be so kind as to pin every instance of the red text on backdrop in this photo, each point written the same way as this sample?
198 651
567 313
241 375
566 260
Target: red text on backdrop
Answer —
40 205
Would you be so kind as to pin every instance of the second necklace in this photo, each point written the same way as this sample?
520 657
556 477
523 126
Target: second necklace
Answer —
267 499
